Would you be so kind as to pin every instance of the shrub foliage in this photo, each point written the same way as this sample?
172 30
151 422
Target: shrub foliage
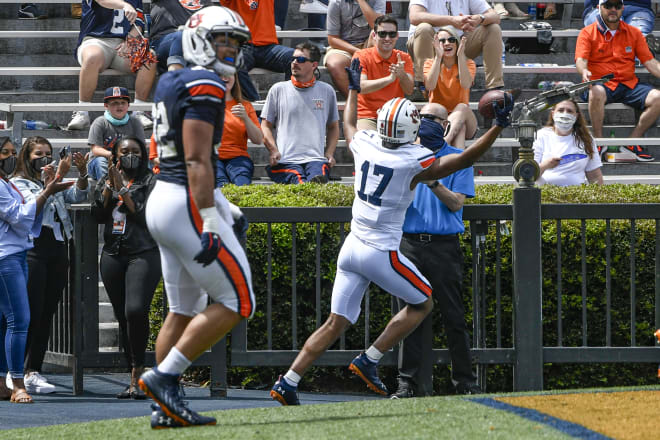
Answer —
592 307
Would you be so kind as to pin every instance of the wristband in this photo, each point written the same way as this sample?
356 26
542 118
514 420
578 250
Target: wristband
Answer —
434 184
122 191
83 177
211 219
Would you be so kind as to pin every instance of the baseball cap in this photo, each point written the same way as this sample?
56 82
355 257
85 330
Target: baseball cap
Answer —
116 93
602 2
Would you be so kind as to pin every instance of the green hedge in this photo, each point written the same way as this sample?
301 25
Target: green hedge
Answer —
499 378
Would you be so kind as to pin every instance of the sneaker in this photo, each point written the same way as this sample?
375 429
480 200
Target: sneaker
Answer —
164 389
640 152
144 119
79 121
30 11
468 388
319 179
284 393
313 7
404 390
35 383
160 420
368 372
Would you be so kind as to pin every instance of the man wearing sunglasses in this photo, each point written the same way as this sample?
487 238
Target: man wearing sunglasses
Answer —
349 28
637 13
386 72
299 119
474 18
610 45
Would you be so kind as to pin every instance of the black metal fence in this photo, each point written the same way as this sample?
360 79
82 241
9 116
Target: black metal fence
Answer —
526 223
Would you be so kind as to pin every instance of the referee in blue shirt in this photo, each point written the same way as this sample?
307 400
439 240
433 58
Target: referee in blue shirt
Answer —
430 240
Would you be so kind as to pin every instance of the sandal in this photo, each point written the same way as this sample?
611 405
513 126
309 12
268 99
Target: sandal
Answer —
501 11
138 394
515 13
21 397
126 394
550 12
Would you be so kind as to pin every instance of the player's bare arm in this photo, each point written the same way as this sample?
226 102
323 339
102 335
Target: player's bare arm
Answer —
197 145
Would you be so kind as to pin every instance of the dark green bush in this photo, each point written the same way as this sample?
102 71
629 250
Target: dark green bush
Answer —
499 378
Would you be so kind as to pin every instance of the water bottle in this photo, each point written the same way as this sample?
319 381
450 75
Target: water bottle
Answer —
612 148
540 11
564 84
531 10
36 125
503 53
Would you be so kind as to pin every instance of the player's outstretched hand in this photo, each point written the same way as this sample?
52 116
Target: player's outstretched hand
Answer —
354 74
503 113
210 247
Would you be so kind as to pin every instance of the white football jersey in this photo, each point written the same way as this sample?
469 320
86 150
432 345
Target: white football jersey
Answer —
382 187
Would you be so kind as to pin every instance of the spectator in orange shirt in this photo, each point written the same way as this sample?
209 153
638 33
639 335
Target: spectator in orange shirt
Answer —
263 50
241 124
611 45
449 77
386 72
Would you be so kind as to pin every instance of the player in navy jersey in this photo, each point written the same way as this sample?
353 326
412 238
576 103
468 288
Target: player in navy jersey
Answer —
388 167
104 26
189 217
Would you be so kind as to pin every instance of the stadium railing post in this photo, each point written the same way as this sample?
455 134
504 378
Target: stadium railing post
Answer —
527 291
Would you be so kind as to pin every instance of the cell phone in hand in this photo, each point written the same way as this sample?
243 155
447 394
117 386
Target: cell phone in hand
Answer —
64 152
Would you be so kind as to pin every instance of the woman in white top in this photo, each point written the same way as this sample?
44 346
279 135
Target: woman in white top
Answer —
564 149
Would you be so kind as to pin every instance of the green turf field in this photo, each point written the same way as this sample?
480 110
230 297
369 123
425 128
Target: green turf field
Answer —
422 418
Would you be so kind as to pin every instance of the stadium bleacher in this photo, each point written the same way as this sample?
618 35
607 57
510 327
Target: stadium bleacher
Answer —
38 80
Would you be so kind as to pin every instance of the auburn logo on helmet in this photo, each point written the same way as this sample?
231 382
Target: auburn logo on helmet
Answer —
195 20
191 5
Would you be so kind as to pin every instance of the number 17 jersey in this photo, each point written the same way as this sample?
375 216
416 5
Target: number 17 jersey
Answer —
382 187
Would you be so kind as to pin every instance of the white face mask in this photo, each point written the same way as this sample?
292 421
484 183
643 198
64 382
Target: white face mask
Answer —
564 121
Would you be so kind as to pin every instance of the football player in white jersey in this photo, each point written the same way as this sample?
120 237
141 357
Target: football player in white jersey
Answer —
388 167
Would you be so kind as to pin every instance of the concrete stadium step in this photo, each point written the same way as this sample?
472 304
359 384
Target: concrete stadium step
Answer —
109 334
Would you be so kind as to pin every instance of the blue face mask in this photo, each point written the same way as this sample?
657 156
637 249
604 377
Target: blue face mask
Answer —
431 134
115 121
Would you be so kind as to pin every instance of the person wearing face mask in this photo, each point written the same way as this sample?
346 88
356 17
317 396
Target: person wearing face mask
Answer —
431 229
448 77
564 148
130 261
20 224
47 261
110 128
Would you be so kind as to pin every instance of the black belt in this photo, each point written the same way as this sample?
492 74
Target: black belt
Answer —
426 238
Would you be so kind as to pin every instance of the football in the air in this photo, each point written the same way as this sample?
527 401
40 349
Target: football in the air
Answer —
486 102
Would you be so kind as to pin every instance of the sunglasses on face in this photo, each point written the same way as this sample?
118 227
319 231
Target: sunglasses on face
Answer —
609 5
383 34
300 60
448 40
432 117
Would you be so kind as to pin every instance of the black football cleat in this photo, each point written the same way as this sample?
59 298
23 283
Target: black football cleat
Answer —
164 390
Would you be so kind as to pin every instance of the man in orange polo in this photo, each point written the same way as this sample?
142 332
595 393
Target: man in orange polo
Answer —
263 50
386 72
609 45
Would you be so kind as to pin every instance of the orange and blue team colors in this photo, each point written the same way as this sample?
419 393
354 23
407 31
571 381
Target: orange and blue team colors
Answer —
228 263
410 276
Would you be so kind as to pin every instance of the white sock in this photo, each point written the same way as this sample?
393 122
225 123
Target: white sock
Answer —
139 101
373 354
174 363
84 102
292 378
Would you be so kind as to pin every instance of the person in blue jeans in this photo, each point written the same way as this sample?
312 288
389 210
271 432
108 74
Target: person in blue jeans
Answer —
636 13
20 223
